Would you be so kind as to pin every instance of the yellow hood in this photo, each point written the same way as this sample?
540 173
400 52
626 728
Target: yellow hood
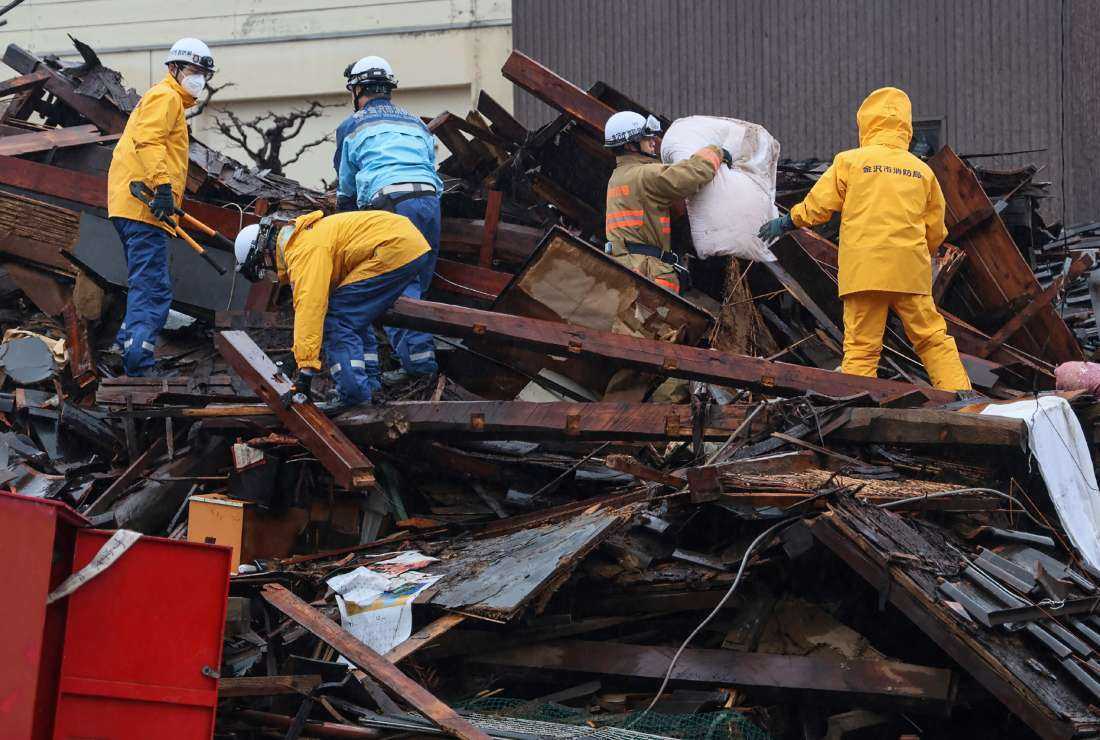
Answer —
886 117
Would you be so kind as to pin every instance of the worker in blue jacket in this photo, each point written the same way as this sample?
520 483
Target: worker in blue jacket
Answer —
385 158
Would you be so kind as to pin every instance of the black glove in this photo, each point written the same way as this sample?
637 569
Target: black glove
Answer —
727 158
299 392
345 203
163 204
775 228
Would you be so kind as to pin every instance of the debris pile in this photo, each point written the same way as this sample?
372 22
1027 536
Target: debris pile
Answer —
552 539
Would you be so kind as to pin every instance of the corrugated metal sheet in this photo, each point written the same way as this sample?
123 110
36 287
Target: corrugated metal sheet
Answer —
990 68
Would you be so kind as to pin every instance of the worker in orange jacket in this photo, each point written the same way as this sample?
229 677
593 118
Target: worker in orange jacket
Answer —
891 223
641 191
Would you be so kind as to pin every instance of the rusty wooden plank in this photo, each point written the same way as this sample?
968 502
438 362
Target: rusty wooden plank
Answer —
995 270
24 82
346 462
1040 302
666 358
514 243
55 138
81 362
492 220
424 637
458 278
501 121
930 426
631 466
380 669
229 687
528 420
882 683
556 91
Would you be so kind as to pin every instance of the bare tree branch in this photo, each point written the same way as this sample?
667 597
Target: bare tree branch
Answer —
273 130
211 91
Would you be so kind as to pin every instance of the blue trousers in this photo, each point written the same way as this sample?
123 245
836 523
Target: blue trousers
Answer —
148 292
416 349
349 345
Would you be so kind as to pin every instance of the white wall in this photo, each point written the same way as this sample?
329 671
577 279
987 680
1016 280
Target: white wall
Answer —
281 54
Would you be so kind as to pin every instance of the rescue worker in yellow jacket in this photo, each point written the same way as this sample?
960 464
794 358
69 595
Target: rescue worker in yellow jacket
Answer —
153 150
345 270
641 191
891 223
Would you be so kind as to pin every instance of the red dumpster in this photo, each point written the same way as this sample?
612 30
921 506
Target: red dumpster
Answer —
37 537
143 642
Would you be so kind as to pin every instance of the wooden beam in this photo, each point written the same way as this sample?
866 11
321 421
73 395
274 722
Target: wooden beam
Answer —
458 278
54 138
557 92
424 637
107 117
881 683
1038 303
129 476
81 362
514 243
380 669
229 688
489 236
527 420
501 121
665 358
24 82
1000 279
91 190
346 462
930 427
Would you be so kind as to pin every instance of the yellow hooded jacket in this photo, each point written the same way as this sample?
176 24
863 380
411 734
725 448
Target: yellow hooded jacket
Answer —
891 205
153 149
327 252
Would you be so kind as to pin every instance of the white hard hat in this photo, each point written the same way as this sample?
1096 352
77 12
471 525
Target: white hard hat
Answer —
627 126
242 245
370 69
191 51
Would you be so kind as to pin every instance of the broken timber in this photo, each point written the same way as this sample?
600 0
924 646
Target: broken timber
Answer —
527 420
998 278
380 669
556 91
346 462
930 426
870 540
871 682
665 358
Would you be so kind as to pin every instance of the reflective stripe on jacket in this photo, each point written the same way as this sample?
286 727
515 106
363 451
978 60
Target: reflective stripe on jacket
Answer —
642 189
384 145
153 149
325 253
891 206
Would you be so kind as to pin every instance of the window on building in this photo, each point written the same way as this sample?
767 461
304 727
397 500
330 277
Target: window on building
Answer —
927 136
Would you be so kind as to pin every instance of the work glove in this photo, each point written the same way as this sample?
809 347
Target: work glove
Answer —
299 392
345 203
163 204
727 158
775 228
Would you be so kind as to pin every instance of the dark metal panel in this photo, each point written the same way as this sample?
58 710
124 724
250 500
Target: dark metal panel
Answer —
989 67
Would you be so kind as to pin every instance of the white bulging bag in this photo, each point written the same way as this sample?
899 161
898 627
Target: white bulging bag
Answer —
726 214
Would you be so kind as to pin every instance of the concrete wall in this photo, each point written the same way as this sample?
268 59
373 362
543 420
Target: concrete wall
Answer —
281 53
990 68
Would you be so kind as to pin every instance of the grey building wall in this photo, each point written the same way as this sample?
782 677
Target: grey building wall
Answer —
992 69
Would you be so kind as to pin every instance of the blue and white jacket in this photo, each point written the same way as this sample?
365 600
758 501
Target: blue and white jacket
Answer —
380 145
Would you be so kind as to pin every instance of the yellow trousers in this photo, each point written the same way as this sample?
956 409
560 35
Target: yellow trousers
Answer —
865 315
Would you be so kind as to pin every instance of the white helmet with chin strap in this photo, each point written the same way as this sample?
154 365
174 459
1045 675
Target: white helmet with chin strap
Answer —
370 71
243 244
191 51
627 126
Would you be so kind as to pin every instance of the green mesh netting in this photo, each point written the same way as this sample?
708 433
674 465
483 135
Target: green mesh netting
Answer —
721 725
